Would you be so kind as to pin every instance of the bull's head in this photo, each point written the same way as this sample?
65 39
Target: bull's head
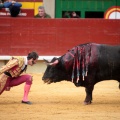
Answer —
54 72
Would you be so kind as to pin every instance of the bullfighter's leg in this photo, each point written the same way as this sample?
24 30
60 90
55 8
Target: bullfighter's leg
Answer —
26 92
19 80
88 99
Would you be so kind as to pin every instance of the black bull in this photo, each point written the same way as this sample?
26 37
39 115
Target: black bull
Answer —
85 65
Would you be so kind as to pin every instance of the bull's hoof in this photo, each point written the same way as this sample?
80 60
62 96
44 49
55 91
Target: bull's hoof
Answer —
87 103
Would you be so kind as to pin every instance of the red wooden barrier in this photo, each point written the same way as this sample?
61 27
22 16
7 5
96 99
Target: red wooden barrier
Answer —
18 36
23 13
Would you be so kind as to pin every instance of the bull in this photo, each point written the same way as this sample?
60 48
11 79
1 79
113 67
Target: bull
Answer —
85 65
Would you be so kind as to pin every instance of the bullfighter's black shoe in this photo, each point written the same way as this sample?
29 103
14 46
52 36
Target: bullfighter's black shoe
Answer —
26 102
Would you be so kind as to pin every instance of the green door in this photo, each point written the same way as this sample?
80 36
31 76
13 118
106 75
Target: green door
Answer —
85 8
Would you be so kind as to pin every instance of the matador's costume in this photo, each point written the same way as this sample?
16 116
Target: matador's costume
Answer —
10 74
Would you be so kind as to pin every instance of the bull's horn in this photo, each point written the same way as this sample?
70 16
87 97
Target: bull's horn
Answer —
54 63
51 63
46 60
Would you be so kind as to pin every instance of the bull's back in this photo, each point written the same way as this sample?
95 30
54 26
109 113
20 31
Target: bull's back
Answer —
107 61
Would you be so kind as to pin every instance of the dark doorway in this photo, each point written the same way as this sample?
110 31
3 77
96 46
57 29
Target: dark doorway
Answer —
91 14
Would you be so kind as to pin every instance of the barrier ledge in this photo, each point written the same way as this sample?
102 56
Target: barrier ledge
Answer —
40 57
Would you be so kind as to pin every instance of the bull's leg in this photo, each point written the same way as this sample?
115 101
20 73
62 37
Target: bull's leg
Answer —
88 99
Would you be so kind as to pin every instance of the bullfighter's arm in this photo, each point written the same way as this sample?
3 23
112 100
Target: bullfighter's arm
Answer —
11 63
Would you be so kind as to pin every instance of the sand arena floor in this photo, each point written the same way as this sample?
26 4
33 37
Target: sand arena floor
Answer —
61 101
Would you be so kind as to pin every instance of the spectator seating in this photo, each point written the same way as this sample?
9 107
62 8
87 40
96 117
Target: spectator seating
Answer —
24 12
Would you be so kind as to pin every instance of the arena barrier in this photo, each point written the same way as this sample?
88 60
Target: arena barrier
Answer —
53 37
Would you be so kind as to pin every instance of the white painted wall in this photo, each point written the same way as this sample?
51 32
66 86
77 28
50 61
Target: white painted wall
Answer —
39 67
49 7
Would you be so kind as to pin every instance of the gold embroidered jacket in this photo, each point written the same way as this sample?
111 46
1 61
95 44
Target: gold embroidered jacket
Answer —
14 66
